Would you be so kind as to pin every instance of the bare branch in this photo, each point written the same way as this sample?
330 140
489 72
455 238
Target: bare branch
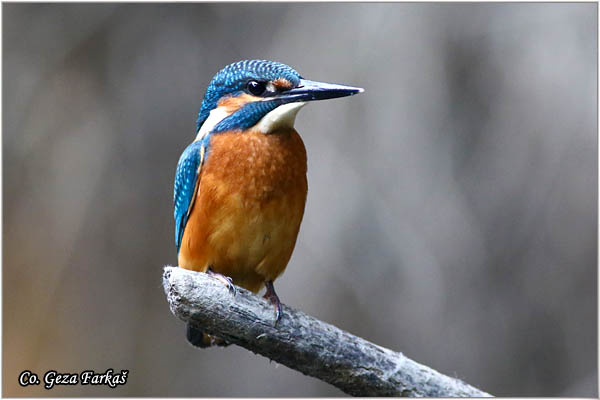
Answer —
301 342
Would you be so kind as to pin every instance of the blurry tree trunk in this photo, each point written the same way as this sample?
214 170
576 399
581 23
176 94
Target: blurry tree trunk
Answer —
301 342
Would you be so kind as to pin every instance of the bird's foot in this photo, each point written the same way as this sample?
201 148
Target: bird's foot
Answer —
227 281
274 299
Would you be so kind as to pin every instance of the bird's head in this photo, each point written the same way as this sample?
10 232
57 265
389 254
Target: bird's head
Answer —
267 94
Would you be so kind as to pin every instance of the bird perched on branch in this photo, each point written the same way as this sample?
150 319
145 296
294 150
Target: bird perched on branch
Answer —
240 186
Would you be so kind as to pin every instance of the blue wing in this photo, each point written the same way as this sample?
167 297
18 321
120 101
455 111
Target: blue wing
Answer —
186 185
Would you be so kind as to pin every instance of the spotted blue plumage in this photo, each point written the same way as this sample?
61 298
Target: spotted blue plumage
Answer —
186 178
233 79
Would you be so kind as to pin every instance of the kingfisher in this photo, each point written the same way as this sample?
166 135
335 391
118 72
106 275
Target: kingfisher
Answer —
240 186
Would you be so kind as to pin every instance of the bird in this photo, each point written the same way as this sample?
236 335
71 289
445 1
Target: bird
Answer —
240 187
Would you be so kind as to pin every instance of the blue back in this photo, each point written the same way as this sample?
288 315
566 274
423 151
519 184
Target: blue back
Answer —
186 178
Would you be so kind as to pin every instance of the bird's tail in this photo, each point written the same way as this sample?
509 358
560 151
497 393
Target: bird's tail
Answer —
200 339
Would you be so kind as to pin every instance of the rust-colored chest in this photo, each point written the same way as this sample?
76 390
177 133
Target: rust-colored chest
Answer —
249 206
256 165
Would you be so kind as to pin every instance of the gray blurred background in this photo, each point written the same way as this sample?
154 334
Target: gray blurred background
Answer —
451 213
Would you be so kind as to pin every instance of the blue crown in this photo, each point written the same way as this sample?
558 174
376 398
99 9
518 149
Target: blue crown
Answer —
234 78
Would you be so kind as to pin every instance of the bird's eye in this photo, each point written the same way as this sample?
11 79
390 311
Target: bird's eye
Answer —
256 88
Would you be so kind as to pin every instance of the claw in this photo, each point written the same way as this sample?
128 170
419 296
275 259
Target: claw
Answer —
227 281
274 299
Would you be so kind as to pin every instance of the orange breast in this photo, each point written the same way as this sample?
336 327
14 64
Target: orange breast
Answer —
249 206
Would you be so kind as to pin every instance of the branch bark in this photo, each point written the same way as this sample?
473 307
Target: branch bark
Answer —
301 342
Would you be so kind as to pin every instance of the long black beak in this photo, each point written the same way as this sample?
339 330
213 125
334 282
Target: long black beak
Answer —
311 90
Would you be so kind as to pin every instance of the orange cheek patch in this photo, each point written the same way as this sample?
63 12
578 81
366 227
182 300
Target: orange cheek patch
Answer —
232 104
282 84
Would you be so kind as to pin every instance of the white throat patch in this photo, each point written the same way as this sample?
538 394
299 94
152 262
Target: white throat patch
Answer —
282 117
216 115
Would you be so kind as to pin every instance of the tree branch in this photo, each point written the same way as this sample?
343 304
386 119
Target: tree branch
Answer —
301 342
